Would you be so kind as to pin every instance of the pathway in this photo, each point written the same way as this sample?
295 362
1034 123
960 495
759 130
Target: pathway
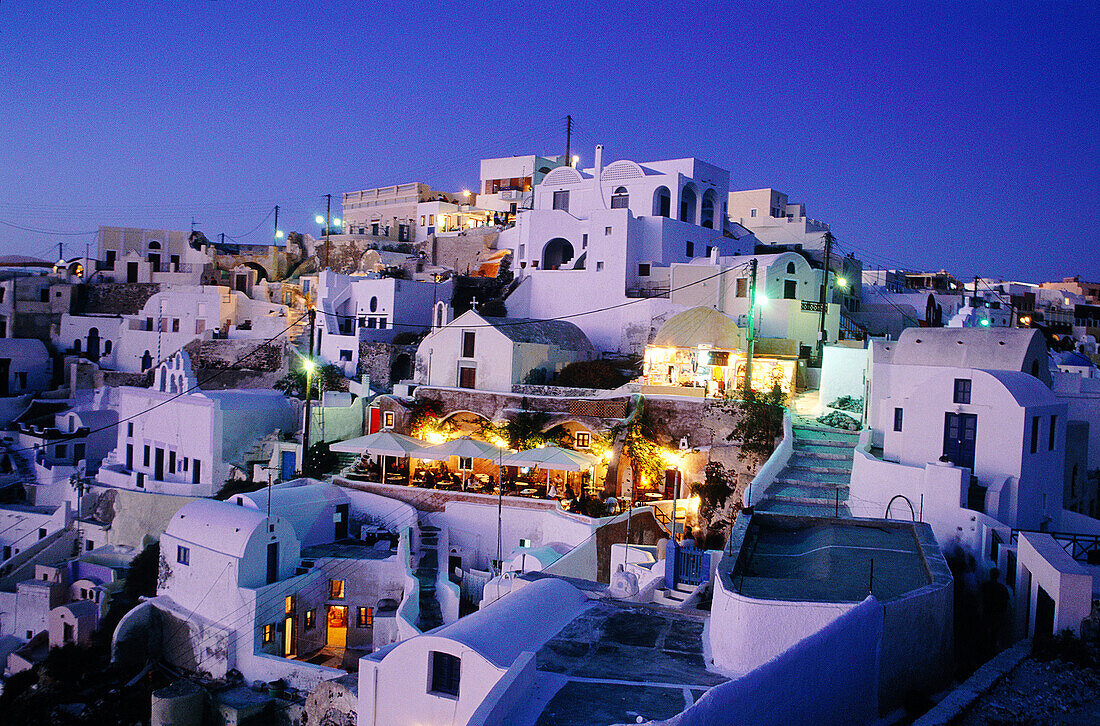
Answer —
431 616
817 477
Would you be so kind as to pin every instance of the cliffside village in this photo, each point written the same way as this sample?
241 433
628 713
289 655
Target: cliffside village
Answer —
590 444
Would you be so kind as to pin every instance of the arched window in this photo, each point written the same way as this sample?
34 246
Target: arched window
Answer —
790 268
687 204
662 202
106 347
76 345
374 304
154 245
557 252
620 199
708 209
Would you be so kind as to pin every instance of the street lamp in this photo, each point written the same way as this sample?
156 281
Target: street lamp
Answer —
309 366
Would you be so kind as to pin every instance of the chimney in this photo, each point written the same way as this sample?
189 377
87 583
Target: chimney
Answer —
598 169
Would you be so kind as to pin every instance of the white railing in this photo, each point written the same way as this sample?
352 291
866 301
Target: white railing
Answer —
776 463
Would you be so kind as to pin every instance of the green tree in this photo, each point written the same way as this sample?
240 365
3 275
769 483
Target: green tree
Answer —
715 490
327 377
760 423
640 446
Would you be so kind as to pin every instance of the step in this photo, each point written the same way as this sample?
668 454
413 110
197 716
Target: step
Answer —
813 466
804 510
794 492
824 446
817 433
684 588
813 479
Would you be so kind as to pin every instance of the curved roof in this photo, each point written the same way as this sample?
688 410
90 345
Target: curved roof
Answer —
699 326
522 620
1002 349
284 497
218 526
1026 389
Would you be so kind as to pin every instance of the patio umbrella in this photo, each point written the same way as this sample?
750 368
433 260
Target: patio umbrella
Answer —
464 447
381 443
551 458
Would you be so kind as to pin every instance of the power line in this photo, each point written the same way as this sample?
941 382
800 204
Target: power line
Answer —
46 231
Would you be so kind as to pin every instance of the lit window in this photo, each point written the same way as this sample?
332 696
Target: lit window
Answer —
288 604
388 419
583 439
268 633
446 670
183 555
365 618
311 619
336 589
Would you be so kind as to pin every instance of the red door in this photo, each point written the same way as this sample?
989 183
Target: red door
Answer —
372 426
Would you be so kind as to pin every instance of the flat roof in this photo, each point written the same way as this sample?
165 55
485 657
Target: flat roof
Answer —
825 559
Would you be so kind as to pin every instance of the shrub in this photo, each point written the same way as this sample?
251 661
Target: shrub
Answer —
591 374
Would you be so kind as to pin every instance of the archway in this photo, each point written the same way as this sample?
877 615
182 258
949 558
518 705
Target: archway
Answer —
146 361
662 202
401 368
261 271
688 198
93 344
708 209
557 252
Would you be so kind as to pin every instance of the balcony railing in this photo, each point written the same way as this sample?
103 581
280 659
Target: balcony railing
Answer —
648 291
808 306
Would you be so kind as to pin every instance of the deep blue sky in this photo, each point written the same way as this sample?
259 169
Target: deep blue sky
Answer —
957 135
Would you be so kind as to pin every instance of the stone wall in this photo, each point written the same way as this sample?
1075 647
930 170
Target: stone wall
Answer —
115 298
377 360
466 250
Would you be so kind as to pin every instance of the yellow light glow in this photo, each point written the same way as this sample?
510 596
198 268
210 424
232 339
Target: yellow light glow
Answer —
435 437
319 219
693 504
465 192
279 234
840 281
309 366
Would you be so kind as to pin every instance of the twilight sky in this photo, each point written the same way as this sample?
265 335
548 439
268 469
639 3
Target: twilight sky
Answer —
958 135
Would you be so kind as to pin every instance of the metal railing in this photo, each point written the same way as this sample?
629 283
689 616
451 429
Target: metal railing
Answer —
1081 547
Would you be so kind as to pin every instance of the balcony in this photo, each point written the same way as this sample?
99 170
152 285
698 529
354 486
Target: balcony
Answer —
648 291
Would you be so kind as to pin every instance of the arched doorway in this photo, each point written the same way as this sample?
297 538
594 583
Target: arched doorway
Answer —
687 204
146 361
708 209
401 368
662 202
557 252
93 344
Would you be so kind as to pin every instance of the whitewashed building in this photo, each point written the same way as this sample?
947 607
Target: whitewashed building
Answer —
189 444
131 254
965 418
354 309
167 321
493 354
598 238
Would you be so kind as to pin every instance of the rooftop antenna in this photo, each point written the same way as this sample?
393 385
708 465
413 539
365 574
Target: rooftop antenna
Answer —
568 138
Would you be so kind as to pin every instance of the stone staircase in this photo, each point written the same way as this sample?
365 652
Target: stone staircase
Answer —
817 477
431 616
673 598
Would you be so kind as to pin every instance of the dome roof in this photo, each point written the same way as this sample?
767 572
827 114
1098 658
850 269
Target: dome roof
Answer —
700 326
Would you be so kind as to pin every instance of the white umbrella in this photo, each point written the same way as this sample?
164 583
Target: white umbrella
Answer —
382 443
464 448
550 458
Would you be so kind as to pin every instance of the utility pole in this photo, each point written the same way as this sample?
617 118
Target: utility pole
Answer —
309 394
328 221
276 232
61 256
752 327
568 139
824 296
